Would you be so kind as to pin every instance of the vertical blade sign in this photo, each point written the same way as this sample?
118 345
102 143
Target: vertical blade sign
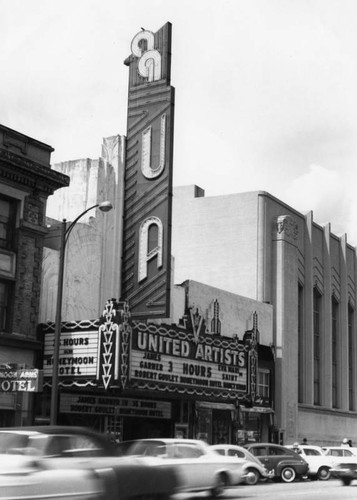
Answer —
146 265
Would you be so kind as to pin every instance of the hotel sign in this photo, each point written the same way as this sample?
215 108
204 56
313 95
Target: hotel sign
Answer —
29 380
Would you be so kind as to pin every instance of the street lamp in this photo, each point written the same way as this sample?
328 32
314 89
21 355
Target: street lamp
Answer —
104 206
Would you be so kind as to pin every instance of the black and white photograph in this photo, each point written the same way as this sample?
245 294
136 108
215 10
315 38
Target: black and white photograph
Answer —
178 249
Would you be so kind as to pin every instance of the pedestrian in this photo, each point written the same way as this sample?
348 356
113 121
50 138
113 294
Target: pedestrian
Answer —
350 443
304 441
344 443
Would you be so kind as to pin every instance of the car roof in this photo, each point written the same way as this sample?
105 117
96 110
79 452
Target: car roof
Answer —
264 444
305 446
51 429
227 445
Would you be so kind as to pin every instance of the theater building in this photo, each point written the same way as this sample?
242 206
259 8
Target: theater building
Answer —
26 181
208 373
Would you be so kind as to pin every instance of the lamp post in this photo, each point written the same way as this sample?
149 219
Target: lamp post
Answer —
105 206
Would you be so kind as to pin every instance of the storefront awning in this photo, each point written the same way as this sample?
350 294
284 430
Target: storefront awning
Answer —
256 409
215 406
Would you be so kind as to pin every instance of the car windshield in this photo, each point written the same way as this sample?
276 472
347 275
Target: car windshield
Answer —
312 452
166 450
22 443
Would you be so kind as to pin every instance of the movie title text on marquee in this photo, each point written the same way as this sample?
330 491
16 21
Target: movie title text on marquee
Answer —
78 354
120 407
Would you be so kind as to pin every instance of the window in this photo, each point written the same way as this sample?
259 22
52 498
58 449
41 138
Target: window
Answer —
310 452
236 453
334 310
259 451
317 340
5 290
336 453
264 383
7 222
300 343
351 403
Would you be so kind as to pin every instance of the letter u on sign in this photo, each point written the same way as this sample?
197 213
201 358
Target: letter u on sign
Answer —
148 170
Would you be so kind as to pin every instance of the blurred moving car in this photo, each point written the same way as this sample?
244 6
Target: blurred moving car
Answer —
24 478
198 467
346 471
257 470
47 458
55 441
287 464
319 464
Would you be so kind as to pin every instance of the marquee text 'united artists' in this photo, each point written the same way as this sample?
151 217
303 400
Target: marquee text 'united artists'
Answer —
159 344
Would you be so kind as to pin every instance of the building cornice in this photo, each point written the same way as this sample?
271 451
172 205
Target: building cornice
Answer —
30 174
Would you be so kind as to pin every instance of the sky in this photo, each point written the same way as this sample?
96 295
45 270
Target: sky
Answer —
266 90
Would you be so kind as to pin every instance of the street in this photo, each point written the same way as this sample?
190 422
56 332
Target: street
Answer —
316 490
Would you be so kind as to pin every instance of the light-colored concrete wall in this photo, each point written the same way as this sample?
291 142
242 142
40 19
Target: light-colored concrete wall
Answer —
235 312
325 428
214 240
93 253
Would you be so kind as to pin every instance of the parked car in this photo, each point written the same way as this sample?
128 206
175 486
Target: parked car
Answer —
319 464
287 464
198 467
340 453
51 456
55 441
252 465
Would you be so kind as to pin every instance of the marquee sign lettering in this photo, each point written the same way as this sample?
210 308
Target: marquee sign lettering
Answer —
170 359
146 258
120 407
27 380
78 354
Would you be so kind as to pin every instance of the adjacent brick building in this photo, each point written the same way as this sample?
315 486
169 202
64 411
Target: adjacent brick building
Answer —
26 181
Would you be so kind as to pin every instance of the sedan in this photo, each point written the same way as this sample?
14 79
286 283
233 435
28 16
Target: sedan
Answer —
198 467
253 465
340 453
287 464
319 464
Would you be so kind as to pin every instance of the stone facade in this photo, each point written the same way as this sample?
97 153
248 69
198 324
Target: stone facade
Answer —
26 181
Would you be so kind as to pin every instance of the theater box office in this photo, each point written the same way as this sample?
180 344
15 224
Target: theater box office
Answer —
136 379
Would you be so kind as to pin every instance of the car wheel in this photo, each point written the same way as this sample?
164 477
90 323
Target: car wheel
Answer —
288 474
219 486
346 481
252 476
324 473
